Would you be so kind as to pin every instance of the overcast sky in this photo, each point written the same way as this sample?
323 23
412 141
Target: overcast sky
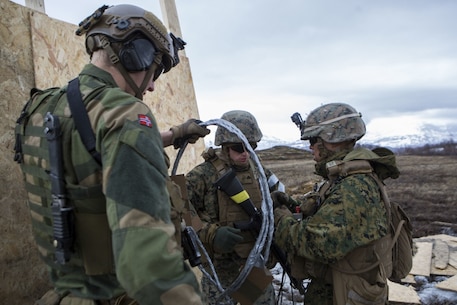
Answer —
394 59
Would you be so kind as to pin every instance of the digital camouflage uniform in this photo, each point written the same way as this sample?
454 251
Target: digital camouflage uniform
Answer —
206 199
203 194
343 245
124 236
351 216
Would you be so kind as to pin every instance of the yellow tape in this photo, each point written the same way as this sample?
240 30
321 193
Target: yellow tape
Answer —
240 197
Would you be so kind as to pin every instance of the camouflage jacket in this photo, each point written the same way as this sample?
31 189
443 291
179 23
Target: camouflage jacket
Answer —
126 197
351 216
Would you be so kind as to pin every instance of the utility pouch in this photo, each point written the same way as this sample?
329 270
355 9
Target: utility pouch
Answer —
253 287
298 267
94 237
189 214
360 278
177 208
352 289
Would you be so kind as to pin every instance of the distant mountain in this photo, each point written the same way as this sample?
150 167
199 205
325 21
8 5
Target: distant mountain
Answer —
269 142
422 135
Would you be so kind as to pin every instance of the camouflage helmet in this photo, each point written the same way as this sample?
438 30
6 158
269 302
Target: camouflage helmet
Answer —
120 22
334 123
245 122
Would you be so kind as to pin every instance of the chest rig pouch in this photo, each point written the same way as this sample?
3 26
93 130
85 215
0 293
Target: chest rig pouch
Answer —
231 213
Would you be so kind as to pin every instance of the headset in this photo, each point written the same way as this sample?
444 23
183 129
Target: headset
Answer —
137 54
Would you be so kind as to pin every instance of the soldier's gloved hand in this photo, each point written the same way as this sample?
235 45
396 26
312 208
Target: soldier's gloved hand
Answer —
280 198
190 131
226 239
308 204
308 208
280 212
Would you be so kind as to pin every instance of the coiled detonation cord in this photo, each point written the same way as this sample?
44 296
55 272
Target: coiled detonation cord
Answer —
261 250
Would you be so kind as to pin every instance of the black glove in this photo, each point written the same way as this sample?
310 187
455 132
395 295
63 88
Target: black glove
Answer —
190 131
280 198
226 239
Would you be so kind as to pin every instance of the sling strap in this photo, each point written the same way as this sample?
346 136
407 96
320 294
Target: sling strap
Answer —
81 119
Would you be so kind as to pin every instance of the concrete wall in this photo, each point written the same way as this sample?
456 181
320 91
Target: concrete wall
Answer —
37 51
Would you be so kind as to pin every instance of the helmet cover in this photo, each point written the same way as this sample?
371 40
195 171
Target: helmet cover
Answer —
245 122
121 22
334 123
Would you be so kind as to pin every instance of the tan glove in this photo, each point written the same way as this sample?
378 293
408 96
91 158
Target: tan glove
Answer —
308 204
308 208
280 213
190 131
280 198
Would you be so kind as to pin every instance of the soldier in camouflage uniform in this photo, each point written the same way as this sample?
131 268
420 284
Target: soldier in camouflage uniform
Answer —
228 246
342 243
124 250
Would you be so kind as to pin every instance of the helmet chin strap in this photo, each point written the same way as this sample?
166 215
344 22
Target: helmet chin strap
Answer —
115 60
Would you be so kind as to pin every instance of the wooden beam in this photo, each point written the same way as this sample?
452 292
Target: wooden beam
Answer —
441 254
170 16
449 284
400 294
37 5
422 259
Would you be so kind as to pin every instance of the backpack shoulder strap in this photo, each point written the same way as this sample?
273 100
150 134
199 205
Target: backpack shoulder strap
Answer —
346 168
81 119
210 155
384 195
339 168
37 98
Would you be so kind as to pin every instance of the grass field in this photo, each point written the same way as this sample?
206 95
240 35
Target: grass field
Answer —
426 188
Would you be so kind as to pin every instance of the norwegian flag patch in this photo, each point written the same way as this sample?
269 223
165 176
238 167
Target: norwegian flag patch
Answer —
145 120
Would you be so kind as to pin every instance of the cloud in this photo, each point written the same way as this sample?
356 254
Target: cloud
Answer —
410 123
388 59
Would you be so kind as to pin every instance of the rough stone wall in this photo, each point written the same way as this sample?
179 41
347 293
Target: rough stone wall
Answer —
37 51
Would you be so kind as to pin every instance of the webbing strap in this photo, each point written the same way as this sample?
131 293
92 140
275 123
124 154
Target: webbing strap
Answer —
81 119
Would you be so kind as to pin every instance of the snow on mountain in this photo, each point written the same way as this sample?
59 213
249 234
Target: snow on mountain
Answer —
394 137
269 142
417 136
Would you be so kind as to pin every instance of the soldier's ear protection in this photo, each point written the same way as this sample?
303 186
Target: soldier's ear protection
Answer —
137 54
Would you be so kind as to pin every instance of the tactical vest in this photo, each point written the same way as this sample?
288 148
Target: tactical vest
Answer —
92 243
229 211
361 276
92 248
363 259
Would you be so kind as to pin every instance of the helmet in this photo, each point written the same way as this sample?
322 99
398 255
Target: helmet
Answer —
137 36
245 122
334 123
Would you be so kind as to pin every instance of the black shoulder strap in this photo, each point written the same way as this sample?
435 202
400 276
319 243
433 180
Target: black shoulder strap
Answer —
82 123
